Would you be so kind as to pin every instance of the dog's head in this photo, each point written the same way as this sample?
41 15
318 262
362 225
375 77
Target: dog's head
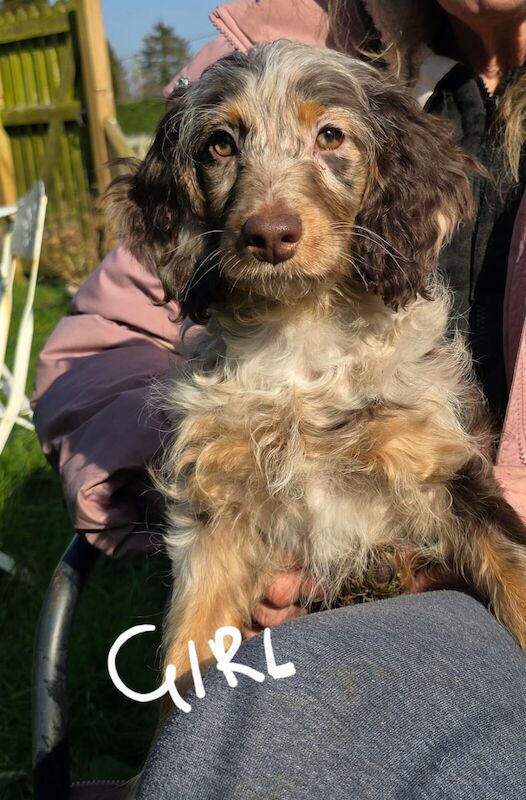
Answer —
291 166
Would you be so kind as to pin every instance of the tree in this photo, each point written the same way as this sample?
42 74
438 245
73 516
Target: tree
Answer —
121 88
163 54
14 5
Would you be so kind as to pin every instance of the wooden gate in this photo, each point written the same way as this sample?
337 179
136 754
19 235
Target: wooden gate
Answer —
56 111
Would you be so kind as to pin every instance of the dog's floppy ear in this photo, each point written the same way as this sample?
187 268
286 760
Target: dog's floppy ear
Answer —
156 209
419 193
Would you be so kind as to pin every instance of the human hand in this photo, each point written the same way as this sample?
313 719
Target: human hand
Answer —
433 578
284 594
282 601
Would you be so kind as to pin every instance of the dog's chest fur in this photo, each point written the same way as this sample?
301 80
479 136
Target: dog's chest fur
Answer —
327 434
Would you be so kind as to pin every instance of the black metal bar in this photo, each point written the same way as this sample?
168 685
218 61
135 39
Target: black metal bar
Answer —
51 779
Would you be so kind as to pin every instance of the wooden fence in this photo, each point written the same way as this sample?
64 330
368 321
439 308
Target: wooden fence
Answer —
56 114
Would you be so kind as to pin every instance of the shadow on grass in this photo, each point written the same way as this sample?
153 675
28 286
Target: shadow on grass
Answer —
109 734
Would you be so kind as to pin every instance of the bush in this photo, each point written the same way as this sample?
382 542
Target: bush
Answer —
71 248
140 116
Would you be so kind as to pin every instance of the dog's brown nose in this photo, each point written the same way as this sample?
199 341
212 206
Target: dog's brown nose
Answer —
272 239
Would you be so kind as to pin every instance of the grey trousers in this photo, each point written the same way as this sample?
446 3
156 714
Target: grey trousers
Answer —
422 696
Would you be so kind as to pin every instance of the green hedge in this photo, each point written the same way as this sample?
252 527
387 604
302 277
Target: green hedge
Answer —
140 116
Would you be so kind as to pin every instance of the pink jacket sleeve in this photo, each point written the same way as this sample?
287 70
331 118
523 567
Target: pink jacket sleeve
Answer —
208 54
91 415
511 461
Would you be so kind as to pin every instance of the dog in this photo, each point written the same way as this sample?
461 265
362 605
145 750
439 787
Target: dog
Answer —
295 200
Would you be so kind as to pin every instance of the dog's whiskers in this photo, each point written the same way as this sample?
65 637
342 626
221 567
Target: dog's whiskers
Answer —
224 264
236 263
381 239
192 239
352 262
389 253
372 235
193 283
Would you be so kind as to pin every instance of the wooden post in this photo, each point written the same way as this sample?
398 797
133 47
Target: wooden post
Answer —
7 167
97 83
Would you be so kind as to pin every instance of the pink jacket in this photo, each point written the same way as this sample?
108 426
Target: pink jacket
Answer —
95 371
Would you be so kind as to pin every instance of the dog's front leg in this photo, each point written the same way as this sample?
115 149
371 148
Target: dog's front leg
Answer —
215 584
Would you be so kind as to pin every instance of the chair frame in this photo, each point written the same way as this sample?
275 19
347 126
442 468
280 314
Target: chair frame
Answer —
23 239
51 769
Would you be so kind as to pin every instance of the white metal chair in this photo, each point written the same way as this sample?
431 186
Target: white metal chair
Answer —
22 239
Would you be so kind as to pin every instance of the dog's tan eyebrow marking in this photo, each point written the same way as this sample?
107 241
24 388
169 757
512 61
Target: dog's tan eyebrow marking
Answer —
309 111
233 115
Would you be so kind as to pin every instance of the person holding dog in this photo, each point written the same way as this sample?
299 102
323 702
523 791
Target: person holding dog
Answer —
463 59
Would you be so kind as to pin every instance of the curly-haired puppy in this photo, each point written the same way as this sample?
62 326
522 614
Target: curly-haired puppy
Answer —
297 200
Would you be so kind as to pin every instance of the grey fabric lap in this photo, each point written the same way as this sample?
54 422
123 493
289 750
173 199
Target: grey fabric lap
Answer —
422 696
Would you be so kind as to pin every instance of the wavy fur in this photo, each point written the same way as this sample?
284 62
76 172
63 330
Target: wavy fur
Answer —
328 412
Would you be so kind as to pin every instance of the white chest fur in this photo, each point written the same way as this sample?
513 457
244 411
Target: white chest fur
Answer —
265 426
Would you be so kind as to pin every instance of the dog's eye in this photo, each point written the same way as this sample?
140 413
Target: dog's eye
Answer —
329 138
223 144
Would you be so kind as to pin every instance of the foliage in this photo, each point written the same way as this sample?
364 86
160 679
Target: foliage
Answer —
163 54
71 247
140 116
14 5
121 89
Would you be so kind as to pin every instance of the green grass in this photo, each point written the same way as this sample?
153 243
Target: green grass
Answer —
109 734
140 116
